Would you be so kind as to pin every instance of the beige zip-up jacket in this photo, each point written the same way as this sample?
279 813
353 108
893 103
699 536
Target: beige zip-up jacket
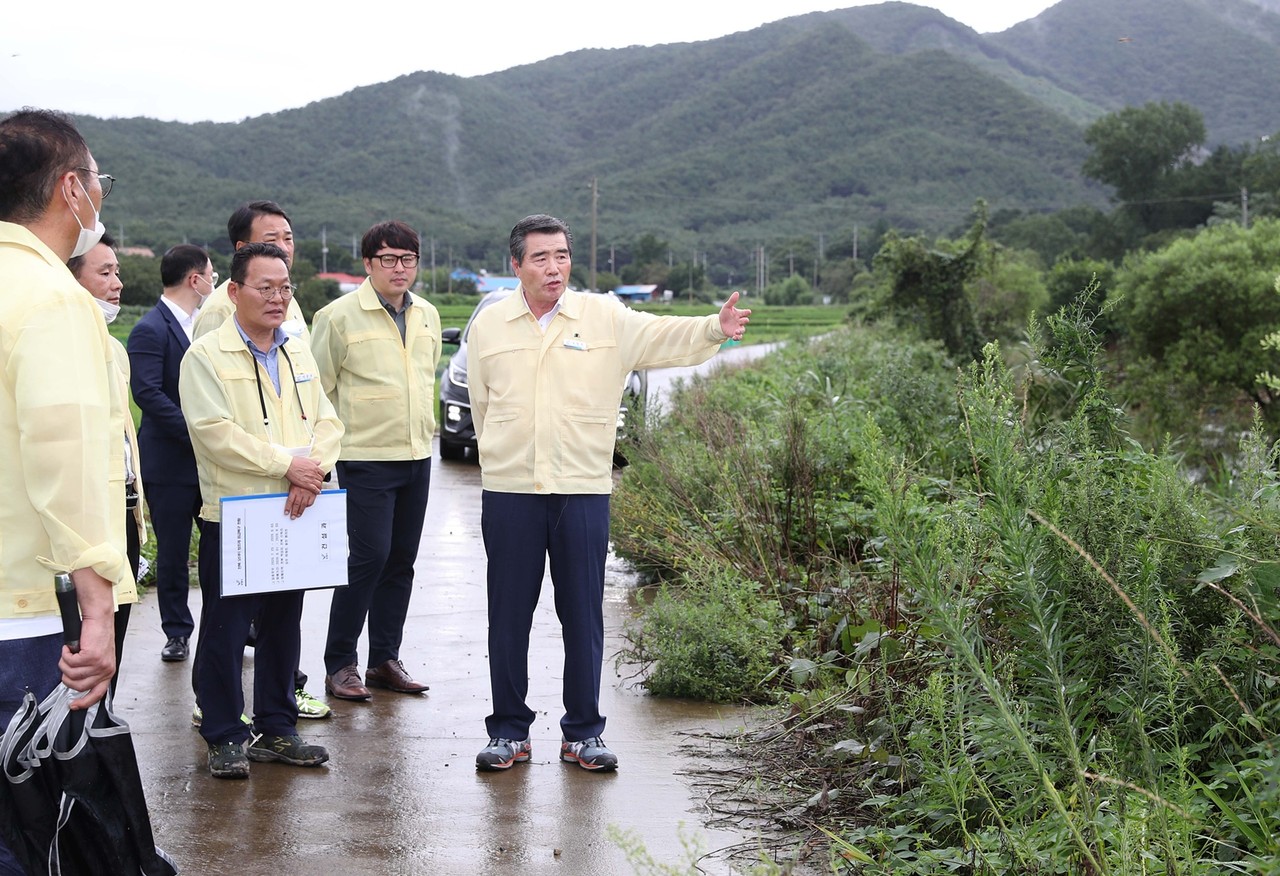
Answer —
545 405
236 453
60 432
383 389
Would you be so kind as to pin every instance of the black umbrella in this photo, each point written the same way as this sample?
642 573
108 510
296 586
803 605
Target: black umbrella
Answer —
72 801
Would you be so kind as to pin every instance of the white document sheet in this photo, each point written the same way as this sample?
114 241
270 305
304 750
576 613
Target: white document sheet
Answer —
264 551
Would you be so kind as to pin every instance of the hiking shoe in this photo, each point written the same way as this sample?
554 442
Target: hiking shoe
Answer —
309 706
500 754
227 760
286 749
197 718
590 754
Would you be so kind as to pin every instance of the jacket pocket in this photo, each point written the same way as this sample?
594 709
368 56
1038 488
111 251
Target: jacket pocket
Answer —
585 446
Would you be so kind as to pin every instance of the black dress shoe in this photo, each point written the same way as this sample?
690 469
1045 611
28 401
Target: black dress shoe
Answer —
174 650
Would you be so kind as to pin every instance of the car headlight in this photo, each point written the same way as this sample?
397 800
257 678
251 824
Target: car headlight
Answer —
458 371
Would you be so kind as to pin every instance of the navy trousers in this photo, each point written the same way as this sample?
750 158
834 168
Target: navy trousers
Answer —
219 662
386 505
174 507
521 530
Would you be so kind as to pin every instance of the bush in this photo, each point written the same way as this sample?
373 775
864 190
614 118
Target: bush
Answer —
714 640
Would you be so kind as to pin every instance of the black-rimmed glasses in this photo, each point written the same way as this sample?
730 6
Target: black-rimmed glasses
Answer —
106 180
387 260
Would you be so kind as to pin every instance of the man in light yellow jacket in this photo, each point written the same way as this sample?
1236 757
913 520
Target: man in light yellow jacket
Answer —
98 271
261 222
546 369
377 349
59 508
259 424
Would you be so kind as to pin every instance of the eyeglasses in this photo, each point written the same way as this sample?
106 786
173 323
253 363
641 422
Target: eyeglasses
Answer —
271 293
104 179
213 281
409 260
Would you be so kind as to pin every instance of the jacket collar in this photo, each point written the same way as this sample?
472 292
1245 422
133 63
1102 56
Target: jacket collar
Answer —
514 306
370 299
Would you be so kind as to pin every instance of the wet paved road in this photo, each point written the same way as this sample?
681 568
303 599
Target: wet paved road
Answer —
400 794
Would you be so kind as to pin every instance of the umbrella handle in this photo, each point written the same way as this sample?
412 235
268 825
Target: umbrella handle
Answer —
70 610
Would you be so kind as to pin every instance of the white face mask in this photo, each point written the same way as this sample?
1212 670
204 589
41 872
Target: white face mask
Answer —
88 238
109 311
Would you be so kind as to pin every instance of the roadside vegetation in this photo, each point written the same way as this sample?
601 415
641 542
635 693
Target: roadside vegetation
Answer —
1003 636
1002 560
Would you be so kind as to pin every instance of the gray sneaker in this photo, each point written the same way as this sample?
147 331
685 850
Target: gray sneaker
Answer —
286 749
500 754
590 754
227 760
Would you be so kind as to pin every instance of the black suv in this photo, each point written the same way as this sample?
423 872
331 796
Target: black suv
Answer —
457 432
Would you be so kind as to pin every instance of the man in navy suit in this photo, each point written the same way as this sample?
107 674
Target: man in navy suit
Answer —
156 346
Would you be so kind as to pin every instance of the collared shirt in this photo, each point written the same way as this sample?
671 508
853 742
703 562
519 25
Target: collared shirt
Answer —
397 316
268 359
186 320
545 319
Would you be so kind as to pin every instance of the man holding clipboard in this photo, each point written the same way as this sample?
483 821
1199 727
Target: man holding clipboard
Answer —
260 424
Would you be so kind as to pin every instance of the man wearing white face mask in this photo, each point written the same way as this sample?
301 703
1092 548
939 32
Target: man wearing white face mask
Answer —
58 439
98 271
156 347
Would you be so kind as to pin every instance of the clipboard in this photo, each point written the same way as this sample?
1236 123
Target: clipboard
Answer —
264 551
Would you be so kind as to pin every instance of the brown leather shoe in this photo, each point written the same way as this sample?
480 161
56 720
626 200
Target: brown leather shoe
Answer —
345 684
392 676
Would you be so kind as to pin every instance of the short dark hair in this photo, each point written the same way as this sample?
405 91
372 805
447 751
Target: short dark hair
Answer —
76 265
179 262
394 233
37 147
240 224
538 223
240 258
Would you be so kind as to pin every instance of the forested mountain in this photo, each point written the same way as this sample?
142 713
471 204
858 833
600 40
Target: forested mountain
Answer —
811 125
1220 56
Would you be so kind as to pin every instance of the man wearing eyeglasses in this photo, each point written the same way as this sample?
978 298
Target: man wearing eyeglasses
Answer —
261 222
259 424
377 349
61 431
157 344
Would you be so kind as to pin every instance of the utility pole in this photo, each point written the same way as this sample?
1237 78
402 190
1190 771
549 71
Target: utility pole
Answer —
1244 207
433 264
324 249
855 241
595 196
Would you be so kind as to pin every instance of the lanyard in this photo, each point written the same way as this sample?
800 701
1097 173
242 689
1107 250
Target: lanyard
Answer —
262 399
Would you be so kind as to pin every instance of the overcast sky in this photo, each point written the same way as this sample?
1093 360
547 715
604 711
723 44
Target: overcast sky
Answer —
224 62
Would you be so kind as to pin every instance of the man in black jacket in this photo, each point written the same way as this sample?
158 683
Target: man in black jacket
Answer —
156 346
